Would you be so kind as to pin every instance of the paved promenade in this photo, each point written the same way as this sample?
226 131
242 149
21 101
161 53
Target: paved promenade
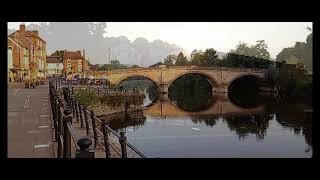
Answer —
29 125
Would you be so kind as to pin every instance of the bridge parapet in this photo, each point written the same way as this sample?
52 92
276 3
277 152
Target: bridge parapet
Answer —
219 77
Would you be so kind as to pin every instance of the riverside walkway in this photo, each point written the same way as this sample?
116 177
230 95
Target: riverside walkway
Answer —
29 122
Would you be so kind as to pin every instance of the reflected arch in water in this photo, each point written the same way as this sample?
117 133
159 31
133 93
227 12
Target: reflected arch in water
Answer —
191 92
243 91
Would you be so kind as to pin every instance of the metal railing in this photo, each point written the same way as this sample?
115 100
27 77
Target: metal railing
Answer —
63 129
102 135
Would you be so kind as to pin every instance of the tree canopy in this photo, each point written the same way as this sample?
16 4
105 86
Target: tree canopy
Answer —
58 53
210 57
301 52
170 60
258 50
181 60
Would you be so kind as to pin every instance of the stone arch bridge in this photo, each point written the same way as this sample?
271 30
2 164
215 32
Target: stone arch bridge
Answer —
220 78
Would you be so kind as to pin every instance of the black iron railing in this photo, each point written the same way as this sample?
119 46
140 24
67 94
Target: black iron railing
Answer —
102 135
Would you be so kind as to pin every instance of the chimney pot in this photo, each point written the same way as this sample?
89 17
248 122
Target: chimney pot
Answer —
22 27
35 32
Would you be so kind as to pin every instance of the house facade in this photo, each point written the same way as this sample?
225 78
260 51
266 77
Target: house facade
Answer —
18 59
74 62
54 65
28 54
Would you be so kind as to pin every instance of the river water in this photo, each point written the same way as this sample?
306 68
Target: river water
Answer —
199 123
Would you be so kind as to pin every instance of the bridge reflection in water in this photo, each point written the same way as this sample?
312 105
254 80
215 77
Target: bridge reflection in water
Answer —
220 106
215 125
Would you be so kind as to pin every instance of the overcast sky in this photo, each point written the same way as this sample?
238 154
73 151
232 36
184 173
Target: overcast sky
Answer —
221 36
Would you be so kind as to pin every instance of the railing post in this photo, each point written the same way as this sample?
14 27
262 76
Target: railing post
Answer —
93 120
76 107
85 151
60 128
122 141
60 121
66 134
80 114
106 138
86 119
56 108
73 106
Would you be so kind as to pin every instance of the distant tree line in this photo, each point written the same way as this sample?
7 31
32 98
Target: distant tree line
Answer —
114 64
246 56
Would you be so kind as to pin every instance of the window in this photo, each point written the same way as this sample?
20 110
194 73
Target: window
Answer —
57 65
79 67
25 61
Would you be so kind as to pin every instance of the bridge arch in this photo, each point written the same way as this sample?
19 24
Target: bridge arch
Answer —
136 75
243 75
213 82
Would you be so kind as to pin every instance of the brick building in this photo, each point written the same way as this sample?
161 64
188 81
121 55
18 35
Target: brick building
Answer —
28 52
74 62
54 65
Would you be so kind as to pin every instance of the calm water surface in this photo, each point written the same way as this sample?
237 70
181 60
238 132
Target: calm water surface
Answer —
199 123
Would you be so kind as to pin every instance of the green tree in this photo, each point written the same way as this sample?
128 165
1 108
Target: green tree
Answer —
115 62
135 66
258 50
58 53
211 57
301 52
170 59
181 60
197 58
157 64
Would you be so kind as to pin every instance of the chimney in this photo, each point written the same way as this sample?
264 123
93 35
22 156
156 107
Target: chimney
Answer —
84 54
22 27
79 52
35 32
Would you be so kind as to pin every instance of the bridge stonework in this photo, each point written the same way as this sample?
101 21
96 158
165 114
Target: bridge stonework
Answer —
219 78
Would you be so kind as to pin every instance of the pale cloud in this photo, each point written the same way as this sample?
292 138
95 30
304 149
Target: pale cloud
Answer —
222 36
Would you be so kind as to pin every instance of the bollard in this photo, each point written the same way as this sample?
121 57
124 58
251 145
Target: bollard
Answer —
86 119
85 151
66 134
106 138
93 120
122 141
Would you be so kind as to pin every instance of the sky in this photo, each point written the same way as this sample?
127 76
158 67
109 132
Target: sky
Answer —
222 36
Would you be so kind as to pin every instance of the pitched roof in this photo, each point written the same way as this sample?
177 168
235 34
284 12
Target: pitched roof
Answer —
72 55
22 40
54 59
30 33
